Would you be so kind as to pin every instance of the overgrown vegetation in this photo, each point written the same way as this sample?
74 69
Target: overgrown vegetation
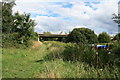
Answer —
74 59
117 37
80 52
24 63
104 37
82 35
18 29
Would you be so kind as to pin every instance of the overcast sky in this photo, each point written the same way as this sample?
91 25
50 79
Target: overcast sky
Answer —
63 15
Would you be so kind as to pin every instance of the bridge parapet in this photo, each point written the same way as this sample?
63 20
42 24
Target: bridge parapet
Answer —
53 35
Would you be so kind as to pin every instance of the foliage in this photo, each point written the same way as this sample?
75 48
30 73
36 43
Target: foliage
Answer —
9 40
104 57
12 40
24 26
64 39
46 32
104 37
7 17
89 34
55 50
116 50
1 17
116 18
35 37
87 54
48 39
75 36
117 37
30 63
82 35
73 52
17 28
80 52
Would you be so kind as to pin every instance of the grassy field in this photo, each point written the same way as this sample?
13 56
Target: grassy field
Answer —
31 63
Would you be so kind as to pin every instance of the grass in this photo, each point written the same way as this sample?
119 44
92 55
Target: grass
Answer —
30 63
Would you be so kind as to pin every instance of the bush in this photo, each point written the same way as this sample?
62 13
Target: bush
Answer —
117 37
79 52
12 40
104 37
87 54
8 40
73 52
116 49
105 58
116 52
55 50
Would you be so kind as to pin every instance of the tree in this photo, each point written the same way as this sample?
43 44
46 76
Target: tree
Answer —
17 28
47 33
83 35
117 37
104 37
76 36
116 18
7 17
0 18
89 34
23 26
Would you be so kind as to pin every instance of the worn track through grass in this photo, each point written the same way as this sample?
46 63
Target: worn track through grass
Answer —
30 63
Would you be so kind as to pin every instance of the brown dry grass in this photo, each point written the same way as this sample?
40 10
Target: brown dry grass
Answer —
36 44
48 75
54 49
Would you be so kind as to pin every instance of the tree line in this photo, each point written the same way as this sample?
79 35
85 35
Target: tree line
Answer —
18 29
86 35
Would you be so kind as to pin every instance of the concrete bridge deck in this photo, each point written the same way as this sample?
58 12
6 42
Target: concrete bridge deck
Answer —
53 35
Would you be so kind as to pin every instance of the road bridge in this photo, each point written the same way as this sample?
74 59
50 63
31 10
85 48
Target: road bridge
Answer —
60 36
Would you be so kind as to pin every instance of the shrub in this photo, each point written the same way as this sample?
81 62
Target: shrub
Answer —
117 37
11 40
73 52
54 50
8 40
87 54
104 37
116 49
116 52
105 58
79 52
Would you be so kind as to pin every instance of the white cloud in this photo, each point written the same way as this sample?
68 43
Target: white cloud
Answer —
94 19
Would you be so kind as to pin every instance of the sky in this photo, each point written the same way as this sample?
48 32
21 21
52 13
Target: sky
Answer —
64 15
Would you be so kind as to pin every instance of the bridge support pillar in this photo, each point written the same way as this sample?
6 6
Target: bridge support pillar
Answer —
38 39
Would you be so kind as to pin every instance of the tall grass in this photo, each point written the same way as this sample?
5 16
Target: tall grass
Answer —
80 52
48 61
63 69
55 50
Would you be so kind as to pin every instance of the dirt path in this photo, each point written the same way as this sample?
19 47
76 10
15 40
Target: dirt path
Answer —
36 44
